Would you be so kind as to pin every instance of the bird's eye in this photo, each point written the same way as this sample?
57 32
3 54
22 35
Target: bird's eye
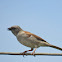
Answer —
13 28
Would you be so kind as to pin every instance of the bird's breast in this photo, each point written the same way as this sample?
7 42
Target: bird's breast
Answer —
27 41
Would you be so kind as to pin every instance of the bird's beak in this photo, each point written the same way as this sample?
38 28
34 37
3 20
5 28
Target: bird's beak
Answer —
9 28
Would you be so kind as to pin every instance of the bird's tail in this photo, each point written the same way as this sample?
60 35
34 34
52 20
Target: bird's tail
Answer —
49 45
55 47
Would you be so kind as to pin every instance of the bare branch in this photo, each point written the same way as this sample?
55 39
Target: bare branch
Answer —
46 54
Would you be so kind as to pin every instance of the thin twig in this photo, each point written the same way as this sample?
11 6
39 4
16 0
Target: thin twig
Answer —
46 54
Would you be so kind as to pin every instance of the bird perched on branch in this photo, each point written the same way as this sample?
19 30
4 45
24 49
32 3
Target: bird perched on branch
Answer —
30 40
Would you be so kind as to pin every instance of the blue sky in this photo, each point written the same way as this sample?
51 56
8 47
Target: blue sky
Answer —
41 17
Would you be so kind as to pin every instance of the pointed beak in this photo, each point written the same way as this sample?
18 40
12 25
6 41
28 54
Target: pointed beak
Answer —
9 28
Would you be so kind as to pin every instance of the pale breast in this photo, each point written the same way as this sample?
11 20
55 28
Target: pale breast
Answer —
27 41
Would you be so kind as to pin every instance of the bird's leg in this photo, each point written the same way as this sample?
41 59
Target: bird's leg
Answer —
34 51
27 51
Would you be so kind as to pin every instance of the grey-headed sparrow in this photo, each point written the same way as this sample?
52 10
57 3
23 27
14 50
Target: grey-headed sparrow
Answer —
30 40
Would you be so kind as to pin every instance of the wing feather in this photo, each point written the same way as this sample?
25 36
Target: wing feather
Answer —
39 38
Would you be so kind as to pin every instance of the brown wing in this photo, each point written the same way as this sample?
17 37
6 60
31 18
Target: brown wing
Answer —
39 38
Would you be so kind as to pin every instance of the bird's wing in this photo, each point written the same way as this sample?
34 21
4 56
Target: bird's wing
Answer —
37 37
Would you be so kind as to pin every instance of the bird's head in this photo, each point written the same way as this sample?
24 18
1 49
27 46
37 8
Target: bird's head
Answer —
15 29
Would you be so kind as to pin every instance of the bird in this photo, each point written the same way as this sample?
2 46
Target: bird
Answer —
29 39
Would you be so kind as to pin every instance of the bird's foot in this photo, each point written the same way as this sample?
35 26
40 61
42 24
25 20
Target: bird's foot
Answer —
24 53
33 53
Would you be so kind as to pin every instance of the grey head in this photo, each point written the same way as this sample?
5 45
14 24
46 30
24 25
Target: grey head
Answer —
15 29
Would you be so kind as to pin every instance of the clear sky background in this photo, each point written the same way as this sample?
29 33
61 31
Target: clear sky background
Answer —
41 17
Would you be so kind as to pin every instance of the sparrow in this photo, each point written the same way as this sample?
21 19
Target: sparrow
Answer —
30 40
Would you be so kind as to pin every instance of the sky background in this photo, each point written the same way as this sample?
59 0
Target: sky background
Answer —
41 17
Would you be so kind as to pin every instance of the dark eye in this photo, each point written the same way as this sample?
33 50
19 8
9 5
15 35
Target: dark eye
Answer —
13 28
